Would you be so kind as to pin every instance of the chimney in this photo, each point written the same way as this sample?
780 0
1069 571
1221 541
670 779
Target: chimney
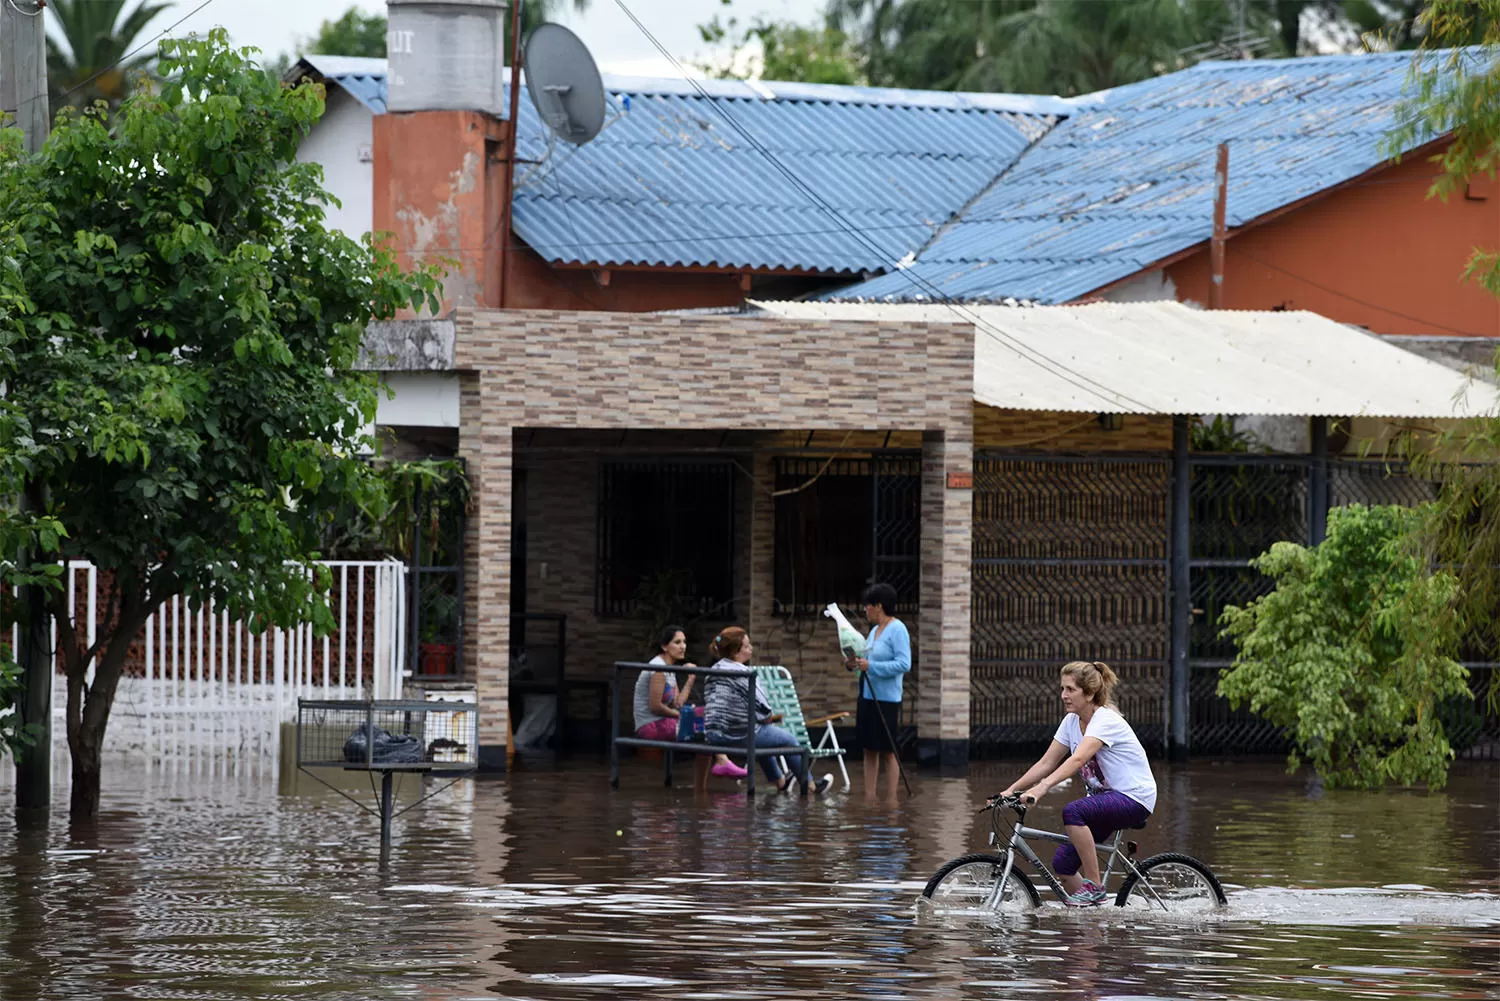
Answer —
446 55
438 148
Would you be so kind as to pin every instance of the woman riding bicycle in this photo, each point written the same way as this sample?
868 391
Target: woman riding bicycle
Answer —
1093 740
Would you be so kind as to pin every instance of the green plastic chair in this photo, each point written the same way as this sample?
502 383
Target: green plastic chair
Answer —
781 696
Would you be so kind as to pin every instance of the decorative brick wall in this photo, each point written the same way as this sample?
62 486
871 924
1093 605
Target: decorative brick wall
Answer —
524 370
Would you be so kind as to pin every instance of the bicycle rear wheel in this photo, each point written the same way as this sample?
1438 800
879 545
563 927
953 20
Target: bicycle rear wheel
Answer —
1171 882
965 884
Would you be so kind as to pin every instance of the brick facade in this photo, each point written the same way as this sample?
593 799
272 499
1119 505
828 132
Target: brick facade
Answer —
523 371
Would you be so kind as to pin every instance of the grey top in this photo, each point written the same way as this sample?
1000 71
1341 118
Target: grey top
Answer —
643 713
724 702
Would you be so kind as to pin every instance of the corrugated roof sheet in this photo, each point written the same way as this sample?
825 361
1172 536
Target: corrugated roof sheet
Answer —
1164 357
363 78
1128 178
670 182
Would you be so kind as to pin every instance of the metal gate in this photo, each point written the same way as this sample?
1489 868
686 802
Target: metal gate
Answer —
1071 562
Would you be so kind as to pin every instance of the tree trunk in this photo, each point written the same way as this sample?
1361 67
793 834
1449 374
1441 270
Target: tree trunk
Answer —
87 721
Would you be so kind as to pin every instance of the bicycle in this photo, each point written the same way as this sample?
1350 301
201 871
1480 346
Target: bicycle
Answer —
1171 881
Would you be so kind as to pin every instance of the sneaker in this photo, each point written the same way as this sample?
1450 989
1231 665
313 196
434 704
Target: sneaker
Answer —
729 770
822 784
1088 895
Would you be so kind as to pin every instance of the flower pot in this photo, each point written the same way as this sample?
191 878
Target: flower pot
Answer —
435 658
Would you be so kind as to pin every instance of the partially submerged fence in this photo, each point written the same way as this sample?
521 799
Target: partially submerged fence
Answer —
1073 559
195 681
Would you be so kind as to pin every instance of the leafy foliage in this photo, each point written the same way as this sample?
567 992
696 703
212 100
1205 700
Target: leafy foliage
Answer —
355 33
1455 92
1352 653
183 364
788 51
99 34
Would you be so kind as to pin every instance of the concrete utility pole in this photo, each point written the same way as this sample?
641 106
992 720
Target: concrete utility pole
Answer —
23 99
23 69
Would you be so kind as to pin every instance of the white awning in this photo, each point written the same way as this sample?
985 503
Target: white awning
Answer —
1167 358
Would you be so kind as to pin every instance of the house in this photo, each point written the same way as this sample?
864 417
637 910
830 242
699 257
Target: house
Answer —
622 418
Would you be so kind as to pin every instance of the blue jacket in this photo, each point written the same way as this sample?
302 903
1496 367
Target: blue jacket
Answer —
889 655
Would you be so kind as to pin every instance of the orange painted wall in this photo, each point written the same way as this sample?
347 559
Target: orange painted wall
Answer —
1378 253
437 185
533 284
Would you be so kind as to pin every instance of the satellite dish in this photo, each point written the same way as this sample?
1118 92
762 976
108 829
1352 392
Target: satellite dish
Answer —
564 82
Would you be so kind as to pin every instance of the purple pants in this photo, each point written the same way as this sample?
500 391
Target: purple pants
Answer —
1104 813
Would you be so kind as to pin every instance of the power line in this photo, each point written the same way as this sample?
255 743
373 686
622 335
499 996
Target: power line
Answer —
1240 251
79 86
1077 379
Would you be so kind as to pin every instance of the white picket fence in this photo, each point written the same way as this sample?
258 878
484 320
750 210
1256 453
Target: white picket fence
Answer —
200 684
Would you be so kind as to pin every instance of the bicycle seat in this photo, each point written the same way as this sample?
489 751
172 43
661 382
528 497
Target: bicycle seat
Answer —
1137 827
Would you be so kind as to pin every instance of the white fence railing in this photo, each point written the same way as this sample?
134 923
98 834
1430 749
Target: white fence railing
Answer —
196 682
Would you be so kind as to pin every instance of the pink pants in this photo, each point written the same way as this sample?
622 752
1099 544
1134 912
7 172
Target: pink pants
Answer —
662 728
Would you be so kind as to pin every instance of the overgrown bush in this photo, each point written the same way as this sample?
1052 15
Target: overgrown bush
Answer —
1353 652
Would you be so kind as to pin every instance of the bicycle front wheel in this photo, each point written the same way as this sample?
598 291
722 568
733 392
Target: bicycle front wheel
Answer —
1172 883
966 883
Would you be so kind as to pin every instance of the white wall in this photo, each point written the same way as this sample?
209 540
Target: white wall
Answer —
342 143
423 399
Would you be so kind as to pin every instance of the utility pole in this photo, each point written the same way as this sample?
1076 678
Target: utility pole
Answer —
23 69
23 99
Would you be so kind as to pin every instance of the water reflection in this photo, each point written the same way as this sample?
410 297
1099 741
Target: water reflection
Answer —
208 884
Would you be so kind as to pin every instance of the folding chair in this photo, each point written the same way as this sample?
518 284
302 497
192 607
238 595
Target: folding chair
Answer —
781 696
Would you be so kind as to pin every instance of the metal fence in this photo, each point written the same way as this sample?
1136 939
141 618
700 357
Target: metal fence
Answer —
197 682
1071 561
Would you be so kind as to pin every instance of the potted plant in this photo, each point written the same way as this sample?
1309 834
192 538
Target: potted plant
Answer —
436 650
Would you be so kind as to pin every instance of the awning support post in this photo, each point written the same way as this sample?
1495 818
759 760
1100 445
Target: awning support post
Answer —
1317 483
1182 610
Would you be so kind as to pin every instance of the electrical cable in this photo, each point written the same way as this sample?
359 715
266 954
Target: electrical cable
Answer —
1344 295
144 45
36 13
1077 379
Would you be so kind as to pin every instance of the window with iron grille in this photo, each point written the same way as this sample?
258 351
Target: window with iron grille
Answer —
857 522
659 517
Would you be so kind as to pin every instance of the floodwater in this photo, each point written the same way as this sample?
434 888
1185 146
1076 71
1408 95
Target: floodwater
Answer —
548 885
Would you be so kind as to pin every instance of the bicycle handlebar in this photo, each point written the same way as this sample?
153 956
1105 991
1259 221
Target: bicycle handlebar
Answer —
1016 801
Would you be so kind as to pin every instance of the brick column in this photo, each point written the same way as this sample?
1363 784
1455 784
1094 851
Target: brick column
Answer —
943 637
485 443
761 580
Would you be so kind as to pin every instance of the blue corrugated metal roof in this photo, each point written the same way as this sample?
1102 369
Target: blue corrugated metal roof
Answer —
670 182
363 78
1128 178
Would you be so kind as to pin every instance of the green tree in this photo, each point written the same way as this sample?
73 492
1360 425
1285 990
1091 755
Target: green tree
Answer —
789 51
355 33
1055 47
99 35
1453 94
185 364
1353 652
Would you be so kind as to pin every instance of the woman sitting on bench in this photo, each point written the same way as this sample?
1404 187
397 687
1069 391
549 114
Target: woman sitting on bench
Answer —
659 702
725 704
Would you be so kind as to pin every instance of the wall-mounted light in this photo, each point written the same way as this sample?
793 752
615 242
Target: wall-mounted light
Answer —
1111 422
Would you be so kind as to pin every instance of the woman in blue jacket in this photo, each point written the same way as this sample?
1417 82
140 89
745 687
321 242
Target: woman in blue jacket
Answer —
887 659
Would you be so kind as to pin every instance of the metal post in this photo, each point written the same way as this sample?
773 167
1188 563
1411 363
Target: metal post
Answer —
614 731
1317 483
1177 691
510 147
414 576
23 98
1221 231
385 806
750 760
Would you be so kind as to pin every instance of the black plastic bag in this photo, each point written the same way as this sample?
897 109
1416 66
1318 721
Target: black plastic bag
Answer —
389 748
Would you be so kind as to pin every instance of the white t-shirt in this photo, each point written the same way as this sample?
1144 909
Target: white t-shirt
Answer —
1119 765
